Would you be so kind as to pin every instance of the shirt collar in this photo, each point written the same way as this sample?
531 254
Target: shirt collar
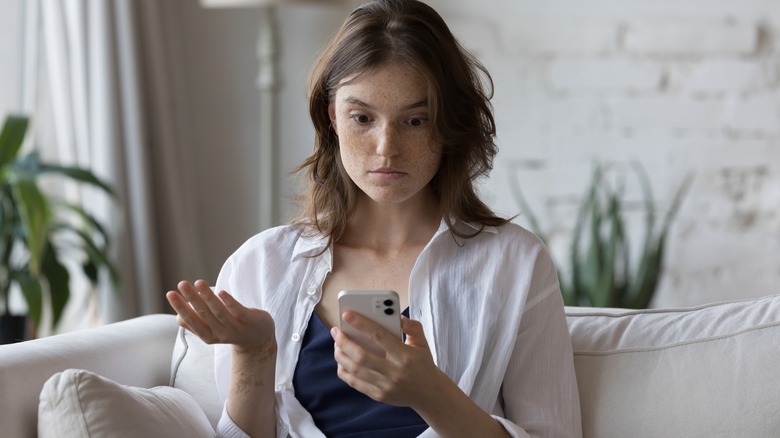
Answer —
310 245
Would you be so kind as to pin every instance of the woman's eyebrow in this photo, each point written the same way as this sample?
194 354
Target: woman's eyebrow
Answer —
355 101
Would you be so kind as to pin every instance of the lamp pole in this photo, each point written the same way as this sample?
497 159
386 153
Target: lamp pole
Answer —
268 84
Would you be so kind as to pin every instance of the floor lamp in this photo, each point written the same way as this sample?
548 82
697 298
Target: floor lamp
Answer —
267 84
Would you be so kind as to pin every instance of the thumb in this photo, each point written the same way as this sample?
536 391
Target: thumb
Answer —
414 332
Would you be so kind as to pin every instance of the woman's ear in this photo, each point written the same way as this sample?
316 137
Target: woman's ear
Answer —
332 116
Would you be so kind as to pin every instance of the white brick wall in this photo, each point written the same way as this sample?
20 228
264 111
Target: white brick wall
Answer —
690 37
691 86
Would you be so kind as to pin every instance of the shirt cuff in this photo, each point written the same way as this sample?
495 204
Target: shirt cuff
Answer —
512 429
227 428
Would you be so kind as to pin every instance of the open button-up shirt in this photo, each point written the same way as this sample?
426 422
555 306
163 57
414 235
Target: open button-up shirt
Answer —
490 306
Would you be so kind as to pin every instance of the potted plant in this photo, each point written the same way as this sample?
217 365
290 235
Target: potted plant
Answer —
38 231
601 271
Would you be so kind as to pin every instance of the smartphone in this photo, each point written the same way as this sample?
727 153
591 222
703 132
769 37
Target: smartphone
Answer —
380 306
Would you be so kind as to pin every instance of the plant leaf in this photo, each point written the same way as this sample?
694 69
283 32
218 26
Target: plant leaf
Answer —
98 256
12 138
79 174
89 220
533 222
32 291
35 218
58 279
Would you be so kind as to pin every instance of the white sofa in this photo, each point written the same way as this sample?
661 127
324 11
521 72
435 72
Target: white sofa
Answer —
699 372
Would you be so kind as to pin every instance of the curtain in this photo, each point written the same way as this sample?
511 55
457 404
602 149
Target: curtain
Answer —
110 70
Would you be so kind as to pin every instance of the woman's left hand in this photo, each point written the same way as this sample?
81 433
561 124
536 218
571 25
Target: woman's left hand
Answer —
406 376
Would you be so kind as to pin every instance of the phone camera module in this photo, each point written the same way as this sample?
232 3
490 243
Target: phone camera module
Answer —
388 303
389 311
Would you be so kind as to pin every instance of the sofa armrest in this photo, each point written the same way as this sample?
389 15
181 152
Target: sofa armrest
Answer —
134 352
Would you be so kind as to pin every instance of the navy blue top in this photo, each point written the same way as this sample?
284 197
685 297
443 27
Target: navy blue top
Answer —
337 409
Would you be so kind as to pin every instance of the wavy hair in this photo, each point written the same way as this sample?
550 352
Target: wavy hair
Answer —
459 93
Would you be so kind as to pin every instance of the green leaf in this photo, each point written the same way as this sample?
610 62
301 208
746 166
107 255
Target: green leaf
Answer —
602 273
616 251
79 174
533 222
90 270
32 291
35 218
59 282
89 220
12 138
98 256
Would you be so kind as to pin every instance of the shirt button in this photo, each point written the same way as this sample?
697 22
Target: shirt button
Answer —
295 337
281 387
311 291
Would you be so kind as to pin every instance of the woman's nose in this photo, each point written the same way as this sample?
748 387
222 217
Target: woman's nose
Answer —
387 141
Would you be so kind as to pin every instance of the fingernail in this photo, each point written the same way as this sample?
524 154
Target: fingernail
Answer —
334 331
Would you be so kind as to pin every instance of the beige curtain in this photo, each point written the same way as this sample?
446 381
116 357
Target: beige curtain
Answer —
111 70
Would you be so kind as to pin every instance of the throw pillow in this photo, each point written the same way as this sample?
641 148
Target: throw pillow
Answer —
78 403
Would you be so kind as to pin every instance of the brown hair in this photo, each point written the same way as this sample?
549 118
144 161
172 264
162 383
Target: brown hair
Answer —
459 102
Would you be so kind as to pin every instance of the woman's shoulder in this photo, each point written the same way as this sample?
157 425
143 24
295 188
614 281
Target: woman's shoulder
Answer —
507 234
279 241
513 229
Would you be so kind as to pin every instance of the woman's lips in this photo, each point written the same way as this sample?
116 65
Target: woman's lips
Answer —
387 173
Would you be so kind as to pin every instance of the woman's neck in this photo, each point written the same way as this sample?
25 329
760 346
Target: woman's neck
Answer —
391 226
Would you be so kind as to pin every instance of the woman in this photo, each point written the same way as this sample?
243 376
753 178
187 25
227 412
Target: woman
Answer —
404 127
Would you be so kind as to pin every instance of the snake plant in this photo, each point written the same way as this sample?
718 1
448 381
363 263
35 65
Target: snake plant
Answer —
38 231
601 272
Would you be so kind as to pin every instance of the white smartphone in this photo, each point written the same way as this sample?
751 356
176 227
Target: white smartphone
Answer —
380 306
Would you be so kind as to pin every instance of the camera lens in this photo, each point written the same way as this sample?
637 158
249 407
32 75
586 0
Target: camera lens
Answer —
389 311
388 302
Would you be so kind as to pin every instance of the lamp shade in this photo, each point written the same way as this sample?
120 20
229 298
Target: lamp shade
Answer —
256 3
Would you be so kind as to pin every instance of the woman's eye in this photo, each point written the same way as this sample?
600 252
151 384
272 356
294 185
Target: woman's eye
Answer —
417 121
360 118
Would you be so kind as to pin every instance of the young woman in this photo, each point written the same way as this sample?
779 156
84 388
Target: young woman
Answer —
404 128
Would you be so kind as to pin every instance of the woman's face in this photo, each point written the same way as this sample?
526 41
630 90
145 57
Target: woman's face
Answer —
385 138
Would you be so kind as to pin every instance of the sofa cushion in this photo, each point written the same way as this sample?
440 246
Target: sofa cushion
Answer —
704 371
192 370
76 403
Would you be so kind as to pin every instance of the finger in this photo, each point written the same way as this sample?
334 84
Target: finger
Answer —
375 332
415 336
355 365
349 352
179 304
194 298
187 316
365 386
233 306
216 308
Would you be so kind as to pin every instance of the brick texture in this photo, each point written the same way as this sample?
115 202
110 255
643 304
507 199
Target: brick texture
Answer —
685 88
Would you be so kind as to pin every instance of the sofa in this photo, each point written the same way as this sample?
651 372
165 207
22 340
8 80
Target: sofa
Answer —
706 371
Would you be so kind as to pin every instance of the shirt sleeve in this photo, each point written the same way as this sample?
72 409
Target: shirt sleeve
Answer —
226 428
540 388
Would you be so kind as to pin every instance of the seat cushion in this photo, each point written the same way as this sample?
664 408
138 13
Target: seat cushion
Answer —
706 371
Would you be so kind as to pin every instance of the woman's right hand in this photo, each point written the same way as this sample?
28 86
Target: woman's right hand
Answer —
221 319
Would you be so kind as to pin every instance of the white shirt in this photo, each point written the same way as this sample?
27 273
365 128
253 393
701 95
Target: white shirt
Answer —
490 307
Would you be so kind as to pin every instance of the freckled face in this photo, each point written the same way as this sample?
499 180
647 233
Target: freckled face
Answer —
385 141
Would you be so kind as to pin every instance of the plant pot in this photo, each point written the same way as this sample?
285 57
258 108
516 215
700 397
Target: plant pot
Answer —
13 328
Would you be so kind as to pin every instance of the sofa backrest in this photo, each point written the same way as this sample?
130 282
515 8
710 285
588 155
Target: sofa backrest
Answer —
133 352
192 370
707 371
